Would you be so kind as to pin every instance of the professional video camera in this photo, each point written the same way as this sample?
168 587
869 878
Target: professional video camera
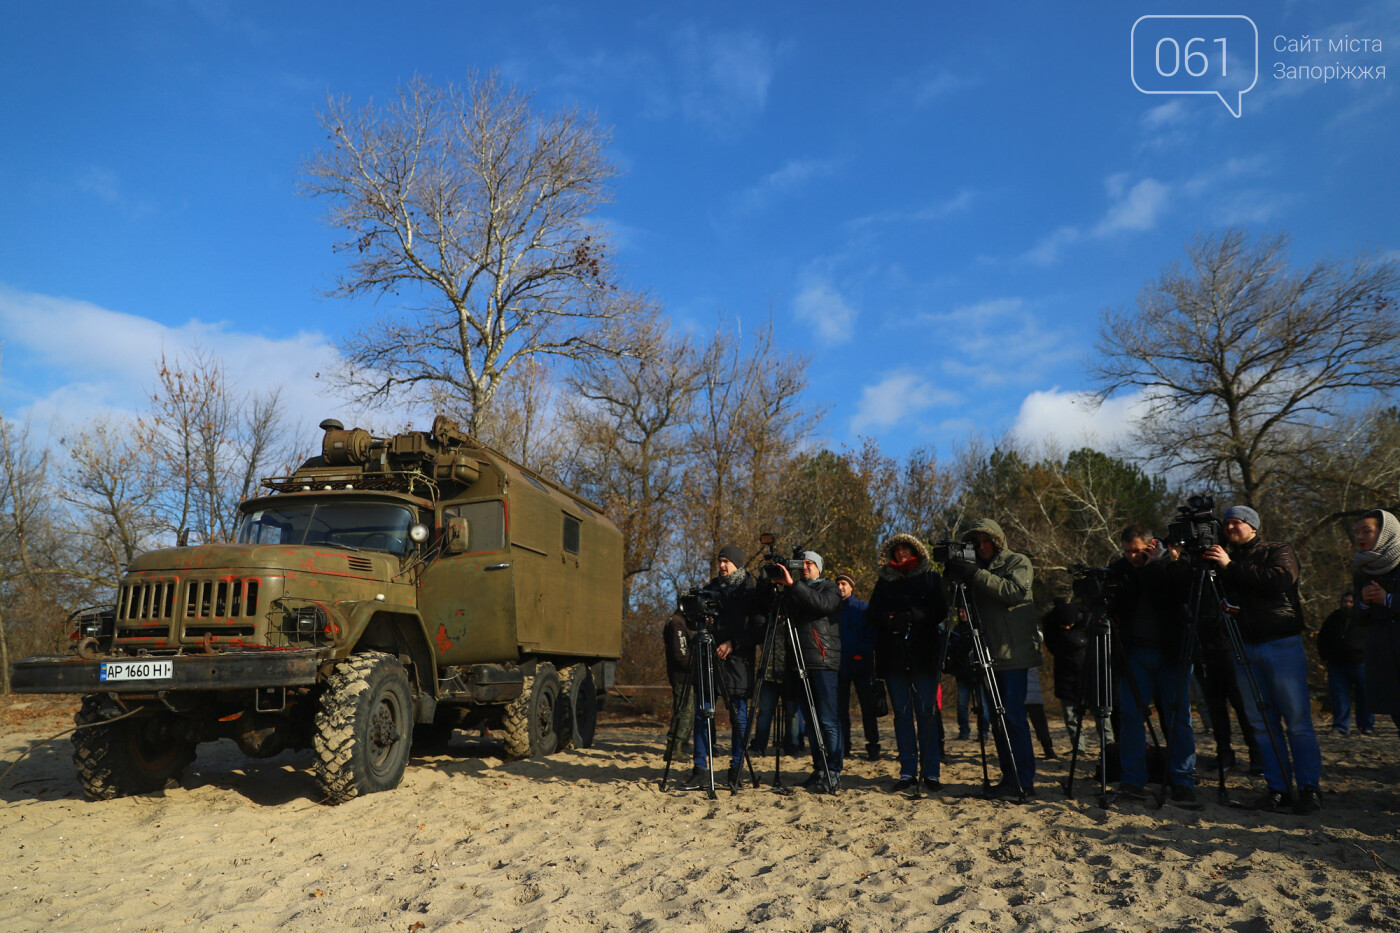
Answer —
1094 586
946 550
699 606
1196 529
772 560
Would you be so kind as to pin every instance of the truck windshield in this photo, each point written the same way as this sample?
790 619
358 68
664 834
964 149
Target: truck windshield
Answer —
364 526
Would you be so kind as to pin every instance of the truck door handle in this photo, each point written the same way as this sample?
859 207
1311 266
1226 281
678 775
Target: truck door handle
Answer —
498 566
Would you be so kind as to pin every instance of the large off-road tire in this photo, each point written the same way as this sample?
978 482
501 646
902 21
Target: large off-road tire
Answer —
133 756
578 707
530 719
364 727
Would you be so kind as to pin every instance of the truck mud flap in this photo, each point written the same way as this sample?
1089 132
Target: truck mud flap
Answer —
229 671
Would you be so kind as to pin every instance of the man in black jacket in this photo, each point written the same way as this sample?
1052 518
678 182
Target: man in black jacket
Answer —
738 627
813 604
1341 644
1261 579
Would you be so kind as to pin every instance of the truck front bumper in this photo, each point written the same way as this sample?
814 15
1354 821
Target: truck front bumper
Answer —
230 670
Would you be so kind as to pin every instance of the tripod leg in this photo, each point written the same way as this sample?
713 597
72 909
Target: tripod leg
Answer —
673 736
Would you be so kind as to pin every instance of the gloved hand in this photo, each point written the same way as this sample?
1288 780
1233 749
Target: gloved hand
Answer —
961 570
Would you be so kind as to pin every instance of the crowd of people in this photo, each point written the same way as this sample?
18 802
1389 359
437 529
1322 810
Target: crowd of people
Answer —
1220 619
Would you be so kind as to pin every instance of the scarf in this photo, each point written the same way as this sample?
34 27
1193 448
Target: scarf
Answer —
1386 555
906 565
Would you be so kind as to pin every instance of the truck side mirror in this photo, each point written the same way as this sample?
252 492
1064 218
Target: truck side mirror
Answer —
457 534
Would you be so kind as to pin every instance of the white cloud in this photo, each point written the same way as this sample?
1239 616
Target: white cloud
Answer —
1067 420
1172 113
997 343
897 397
68 361
724 77
823 307
1136 209
789 178
1047 251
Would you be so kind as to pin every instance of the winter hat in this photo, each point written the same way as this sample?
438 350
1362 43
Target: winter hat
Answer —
815 558
847 577
1245 514
733 554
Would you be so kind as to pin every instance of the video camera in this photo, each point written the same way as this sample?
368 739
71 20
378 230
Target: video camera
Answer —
1196 528
1094 586
949 550
699 606
772 560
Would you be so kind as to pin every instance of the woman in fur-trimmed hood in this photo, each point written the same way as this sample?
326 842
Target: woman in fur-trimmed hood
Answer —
906 609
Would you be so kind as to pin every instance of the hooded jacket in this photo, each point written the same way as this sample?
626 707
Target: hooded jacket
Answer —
1001 591
906 609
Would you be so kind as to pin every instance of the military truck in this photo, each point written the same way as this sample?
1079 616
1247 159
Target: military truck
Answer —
388 592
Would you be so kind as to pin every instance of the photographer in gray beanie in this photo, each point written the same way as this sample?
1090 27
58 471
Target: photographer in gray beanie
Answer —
1261 579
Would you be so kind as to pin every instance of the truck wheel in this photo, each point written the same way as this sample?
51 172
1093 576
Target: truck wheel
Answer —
530 718
578 707
363 728
133 756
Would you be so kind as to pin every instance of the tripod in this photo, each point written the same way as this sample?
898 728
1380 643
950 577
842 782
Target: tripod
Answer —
780 626
702 682
990 692
1205 578
1101 657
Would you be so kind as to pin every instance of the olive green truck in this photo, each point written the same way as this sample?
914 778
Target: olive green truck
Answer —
390 591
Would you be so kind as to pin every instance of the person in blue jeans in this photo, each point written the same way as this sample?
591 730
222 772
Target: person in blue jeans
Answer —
999 588
1149 605
907 608
1341 644
1260 579
738 627
813 604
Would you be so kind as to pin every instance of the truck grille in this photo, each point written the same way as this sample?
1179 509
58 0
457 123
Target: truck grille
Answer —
225 608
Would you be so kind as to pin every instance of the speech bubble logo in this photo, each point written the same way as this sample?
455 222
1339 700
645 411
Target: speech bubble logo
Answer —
1209 54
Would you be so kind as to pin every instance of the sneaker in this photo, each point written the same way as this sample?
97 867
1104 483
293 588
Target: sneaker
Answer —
904 783
698 779
1272 801
932 785
734 778
872 753
1309 800
1185 797
815 781
1050 755
964 736
1131 792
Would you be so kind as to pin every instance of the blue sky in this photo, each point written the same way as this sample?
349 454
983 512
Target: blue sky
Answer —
933 201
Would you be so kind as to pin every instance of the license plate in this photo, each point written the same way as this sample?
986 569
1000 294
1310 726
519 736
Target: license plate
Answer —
136 670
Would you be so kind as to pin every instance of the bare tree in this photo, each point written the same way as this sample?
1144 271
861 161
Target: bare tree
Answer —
105 484
205 446
1239 355
465 202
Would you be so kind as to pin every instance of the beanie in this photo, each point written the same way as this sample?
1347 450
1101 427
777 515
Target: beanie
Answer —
733 554
1245 514
815 558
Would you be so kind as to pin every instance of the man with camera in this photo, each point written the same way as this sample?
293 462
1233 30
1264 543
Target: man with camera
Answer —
1260 584
813 605
738 626
1150 607
999 588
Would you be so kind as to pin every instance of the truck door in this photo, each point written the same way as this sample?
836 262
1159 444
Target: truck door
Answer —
468 599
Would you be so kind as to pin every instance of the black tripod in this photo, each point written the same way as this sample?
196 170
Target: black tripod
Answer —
1205 581
990 693
1100 656
702 682
779 626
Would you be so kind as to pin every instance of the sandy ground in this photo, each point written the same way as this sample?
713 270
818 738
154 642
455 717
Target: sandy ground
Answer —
586 840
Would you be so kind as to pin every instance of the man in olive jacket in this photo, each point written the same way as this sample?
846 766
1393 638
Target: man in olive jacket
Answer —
999 586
